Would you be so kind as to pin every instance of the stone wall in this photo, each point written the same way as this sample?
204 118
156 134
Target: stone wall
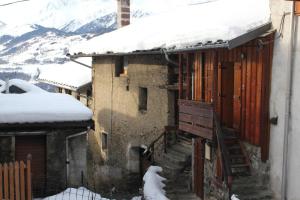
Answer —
116 112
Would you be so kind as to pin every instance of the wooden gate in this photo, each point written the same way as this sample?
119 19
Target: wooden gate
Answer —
15 181
199 167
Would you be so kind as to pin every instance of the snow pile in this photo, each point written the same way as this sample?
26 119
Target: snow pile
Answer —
37 105
234 197
80 193
154 187
69 75
183 27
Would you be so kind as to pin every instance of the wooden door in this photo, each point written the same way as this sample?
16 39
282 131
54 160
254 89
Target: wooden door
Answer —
226 93
36 146
199 167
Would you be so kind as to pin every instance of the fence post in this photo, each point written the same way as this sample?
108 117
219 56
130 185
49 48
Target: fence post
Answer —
6 192
22 180
1 185
29 196
17 181
11 181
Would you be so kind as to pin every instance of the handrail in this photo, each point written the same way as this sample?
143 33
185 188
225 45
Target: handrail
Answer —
226 163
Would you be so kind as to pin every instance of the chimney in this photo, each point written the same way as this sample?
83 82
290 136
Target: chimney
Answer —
123 15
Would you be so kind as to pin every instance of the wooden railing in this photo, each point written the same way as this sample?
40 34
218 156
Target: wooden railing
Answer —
224 153
196 117
15 181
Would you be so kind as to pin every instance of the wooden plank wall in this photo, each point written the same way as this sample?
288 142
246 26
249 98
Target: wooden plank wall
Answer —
255 63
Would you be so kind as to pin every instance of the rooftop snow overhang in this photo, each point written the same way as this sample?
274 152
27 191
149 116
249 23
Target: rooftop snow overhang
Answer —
230 44
45 126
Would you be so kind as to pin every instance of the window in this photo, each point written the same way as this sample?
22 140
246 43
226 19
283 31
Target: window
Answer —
60 90
143 98
78 96
121 66
104 138
68 92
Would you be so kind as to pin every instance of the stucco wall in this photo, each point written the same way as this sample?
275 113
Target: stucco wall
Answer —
277 106
116 111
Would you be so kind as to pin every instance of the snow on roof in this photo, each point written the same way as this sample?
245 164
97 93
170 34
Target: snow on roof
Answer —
37 106
191 25
69 75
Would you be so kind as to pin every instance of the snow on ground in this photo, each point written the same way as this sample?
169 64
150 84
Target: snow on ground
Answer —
234 197
154 187
37 105
79 194
183 27
70 74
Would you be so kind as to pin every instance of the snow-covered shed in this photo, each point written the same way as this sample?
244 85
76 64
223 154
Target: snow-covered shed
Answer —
36 122
210 56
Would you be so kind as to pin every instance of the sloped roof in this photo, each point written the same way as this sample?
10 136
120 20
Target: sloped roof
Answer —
69 75
37 106
220 23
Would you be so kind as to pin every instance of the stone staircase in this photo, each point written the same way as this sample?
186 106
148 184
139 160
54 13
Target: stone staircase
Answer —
176 164
255 187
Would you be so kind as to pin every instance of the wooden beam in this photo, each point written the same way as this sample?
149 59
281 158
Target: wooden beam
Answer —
180 81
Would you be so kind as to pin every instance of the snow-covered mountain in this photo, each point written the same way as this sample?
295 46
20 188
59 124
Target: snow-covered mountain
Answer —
60 24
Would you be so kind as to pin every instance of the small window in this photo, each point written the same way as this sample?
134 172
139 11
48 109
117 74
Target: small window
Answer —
68 92
121 66
60 90
78 96
143 98
104 138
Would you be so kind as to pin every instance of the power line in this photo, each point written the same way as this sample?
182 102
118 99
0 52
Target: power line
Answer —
6 4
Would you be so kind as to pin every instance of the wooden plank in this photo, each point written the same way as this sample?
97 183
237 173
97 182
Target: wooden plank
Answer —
253 96
17 180
28 169
200 121
297 8
195 103
22 180
237 96
243 93
195 111
248 94
188 76
196 130
6 183
180 78
1 183
258 98
11 182
199 152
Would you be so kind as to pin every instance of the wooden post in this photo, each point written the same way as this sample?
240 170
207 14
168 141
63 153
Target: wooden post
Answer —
11 181
22 180
180 76
1 184
17 181
29 157
6 192
188 77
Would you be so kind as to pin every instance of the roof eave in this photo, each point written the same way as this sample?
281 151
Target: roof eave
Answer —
250 35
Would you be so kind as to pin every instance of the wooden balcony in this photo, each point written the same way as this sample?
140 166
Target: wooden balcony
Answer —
196 118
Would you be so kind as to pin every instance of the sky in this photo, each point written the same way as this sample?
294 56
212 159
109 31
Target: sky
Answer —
47 12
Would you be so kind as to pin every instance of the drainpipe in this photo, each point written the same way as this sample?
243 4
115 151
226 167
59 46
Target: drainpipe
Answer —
67 152
290 70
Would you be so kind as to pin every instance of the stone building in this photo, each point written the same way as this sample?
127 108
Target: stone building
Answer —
52 128
210 82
